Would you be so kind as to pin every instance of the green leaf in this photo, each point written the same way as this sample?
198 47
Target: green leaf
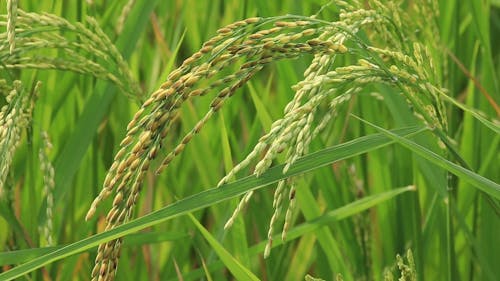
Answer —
493 125
469 176
215 195
136 239
236 268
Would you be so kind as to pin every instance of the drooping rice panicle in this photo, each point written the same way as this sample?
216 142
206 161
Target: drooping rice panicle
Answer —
243 48
91 52
48 188
11 24
14 117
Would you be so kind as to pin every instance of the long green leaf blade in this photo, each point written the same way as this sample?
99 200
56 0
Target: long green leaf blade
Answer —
469 176
215 195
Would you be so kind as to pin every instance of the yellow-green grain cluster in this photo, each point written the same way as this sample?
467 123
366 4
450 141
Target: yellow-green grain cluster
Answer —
48 187
123 15
14 117
407 270
42 42
11 24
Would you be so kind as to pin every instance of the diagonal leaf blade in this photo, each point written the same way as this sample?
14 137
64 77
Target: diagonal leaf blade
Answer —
236 268
215 195
469 176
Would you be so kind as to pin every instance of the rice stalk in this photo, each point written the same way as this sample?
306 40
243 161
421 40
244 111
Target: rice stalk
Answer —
244 48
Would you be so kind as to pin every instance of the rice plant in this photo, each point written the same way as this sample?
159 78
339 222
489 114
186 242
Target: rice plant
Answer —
374 124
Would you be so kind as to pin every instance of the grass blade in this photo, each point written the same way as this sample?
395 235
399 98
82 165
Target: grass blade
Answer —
469 176
236 268
215 195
